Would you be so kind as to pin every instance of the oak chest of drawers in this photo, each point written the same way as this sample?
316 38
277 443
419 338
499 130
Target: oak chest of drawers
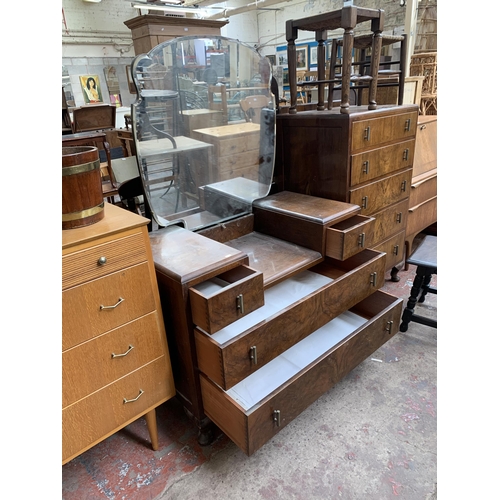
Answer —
266 313
115 361
364 157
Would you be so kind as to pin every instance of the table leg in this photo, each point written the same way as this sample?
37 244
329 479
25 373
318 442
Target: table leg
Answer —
410 306
152 428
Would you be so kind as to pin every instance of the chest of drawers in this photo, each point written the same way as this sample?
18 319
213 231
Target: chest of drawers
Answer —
364 157
313 312
115 361
422 211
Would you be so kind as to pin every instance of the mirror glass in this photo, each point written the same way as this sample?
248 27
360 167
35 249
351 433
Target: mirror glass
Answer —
204 129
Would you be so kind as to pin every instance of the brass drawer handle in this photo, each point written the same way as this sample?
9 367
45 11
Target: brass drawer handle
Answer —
399 217
240 304
396 249
373 279
364 202
406 152
422 127
113 355
366 167
125 400
361 240
366 135
403 186
388 328
407 125
120 300
277 418
101 261
253 354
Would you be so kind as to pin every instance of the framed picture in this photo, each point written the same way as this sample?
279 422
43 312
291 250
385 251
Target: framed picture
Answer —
272 60
314 56
283 58
91 88
131 86
302 62
286 80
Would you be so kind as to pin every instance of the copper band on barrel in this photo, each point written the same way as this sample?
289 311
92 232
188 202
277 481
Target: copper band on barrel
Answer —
83 213
83 167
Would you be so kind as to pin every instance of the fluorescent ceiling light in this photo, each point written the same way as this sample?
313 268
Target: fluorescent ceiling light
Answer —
165 8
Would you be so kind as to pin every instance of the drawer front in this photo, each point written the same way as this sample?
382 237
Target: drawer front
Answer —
253 428
94 418
389 221
354 279
100 305
382 161
423 190
100 361
103 259
394 248
226 298
421 216
380 194
349 237
378 131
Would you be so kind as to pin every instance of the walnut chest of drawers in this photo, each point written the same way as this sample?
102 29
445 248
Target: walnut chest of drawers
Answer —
267 312
115 361
364 157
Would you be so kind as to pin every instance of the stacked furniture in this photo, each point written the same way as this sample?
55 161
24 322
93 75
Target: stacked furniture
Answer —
364 157
115 360
266 313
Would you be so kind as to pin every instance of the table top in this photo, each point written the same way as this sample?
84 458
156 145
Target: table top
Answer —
229 130
83 135
162 146
426 253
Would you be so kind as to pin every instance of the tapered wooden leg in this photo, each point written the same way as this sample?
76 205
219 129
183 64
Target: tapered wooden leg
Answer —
152 428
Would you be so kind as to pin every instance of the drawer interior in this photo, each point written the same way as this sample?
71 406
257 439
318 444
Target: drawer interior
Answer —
212 286
276 298
350 223
263 382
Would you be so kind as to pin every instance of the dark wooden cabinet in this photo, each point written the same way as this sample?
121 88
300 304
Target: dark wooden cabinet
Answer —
267 312
364 157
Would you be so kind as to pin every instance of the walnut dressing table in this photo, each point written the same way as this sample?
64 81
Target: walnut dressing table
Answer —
266 313
115 361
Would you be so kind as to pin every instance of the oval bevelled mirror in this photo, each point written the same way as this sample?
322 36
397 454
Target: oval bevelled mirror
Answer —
204 128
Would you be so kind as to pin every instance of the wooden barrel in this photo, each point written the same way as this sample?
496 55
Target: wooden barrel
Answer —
82 200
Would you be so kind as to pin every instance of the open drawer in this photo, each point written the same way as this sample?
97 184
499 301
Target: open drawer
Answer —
227 297
254 410
293 309
349 237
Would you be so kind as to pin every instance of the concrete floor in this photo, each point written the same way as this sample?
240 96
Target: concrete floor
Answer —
372 436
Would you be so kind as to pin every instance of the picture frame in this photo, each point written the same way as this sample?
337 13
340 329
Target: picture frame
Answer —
283 58
130 81
91 89
313 56
302 58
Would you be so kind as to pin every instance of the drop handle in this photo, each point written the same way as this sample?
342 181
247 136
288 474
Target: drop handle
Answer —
373 279
361 240
113 355
277 418
388 328
240 303
125 400
253 354
120 300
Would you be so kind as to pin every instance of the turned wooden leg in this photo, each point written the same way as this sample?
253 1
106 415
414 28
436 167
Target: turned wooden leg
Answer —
394 275
408 311
425 287
152 428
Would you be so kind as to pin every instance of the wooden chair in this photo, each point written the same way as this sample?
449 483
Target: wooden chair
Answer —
252 107
364 43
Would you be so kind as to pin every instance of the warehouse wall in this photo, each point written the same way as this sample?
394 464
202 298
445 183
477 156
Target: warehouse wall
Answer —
96 38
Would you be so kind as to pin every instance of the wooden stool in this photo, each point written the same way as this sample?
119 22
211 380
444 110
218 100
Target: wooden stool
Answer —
347 18
425 258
